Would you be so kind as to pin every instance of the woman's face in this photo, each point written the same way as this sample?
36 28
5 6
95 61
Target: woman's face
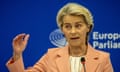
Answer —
75 29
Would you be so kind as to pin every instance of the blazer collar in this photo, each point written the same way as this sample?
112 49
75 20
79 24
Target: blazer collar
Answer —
92 59
63 63
91 52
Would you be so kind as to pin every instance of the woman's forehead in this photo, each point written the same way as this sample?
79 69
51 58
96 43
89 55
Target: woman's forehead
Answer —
73 18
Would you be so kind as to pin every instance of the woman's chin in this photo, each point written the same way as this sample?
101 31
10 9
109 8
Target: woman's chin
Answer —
74 43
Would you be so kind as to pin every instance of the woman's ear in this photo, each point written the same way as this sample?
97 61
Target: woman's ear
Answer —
89 27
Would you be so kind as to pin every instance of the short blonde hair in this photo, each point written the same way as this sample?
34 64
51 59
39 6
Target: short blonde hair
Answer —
74 9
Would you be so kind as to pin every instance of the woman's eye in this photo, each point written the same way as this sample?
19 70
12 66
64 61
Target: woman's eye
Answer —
68 26
78 25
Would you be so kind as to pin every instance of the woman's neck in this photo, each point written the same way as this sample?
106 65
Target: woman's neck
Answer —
78 50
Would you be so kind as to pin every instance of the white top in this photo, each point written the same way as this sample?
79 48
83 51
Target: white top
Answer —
75 64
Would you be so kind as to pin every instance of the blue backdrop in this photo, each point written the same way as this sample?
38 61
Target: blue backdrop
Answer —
38 18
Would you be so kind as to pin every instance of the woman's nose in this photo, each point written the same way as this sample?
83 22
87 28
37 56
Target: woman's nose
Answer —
73 30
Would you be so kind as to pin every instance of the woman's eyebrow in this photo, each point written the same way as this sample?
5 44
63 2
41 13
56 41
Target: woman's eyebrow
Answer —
66 23
79 22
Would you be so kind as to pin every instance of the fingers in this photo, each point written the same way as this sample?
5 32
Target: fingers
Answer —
21 38
26 38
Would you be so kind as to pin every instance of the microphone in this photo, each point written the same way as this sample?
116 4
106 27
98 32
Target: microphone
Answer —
83 63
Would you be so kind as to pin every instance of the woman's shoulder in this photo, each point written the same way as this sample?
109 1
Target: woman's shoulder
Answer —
98 52
103 54
55 49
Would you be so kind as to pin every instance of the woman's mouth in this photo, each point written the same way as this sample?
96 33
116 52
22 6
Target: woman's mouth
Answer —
74 38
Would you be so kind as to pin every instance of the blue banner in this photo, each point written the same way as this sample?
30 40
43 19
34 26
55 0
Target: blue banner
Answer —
38 18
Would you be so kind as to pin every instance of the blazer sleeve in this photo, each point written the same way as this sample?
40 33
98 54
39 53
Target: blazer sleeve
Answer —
108 66
18 66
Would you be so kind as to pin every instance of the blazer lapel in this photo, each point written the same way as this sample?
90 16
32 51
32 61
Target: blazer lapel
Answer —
62 61
92 60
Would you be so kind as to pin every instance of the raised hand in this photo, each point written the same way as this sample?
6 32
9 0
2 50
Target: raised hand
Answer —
19 44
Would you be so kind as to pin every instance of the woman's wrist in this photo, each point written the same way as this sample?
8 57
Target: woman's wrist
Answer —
16 56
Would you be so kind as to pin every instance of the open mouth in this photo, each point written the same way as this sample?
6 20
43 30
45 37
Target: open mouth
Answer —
74 38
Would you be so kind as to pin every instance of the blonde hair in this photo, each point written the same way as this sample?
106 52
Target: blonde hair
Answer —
74 9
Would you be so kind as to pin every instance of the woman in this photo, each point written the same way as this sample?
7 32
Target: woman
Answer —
76 22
